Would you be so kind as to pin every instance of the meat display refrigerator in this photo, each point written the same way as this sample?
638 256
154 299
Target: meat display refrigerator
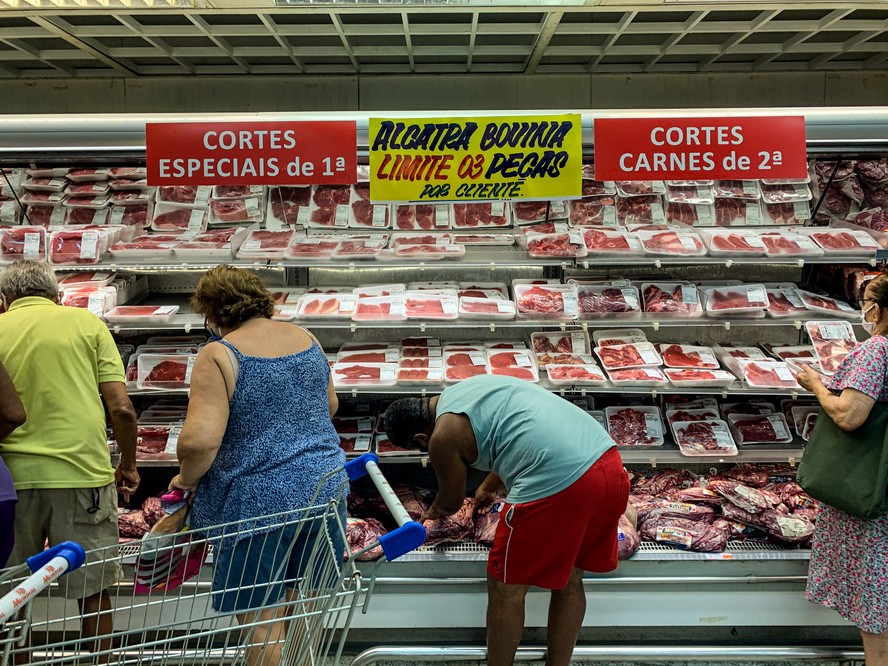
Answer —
752 590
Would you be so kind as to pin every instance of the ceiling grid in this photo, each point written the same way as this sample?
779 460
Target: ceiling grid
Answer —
327 39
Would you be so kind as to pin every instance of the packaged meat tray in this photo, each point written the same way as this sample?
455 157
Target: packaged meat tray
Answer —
76 247
131 198
483 289
387 355
800 415
640 210
355 445
366 215
832 341
185 195
785 193
87 175
762 429
86 279
460 365
138 215
636 355
234 211
427 305
635 426
19 243
612 242
133 185
825 305
164 371
599 302
309 248
380 308
86 216
424 362
672 243
698 378
422 216
671 299
141 314
358 249
734 243
563 245
478 215
266 244
532 212
288 207
502 240
587 374
786 302
327 306
518 363
97 300
704 438
330 206
486 308
354 425
556 302
593 211
638 188
368 290
782 244
364 374
45 184
594 187
808 428
731 356
640 377
693 214
426 252
688 356
153 442
737 189
741 300
87 189
688 414
420 376
618 336
575 342
420 239
30 198
736 212
227 192
767 374
786 213
844 241
794 352
690 194
169 218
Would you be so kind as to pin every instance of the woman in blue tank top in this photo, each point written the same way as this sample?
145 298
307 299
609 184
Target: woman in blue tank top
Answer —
258 441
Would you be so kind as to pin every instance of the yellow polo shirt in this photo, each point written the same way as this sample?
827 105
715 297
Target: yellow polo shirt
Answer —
57 357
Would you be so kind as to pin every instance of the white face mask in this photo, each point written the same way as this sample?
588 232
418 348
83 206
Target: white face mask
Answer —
868 326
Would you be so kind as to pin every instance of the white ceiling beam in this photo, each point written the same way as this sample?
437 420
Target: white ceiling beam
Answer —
271 27
756 25
156 42
337 24
204 27
408 41
687 27
472 36
624 23
857 43
64 30
9 72
36 54
876 60
547 30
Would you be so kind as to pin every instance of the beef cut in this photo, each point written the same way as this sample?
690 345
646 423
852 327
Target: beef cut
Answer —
628 540
675 356
132 525
474 215
175 220
167 373
486 521
186 194
361 533
792 529
452 529
362 210
330 196
662 482
685 534
554 245
541 300
873 171
415 501
628 427
745 497
605 301
153 511
530 211
660 301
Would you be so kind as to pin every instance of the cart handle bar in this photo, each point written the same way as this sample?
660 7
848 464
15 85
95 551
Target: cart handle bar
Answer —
45 567
410 534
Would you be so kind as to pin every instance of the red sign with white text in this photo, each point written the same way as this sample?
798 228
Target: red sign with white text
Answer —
252 153
700 148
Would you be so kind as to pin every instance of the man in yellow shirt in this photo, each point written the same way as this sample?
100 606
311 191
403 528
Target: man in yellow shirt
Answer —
64 363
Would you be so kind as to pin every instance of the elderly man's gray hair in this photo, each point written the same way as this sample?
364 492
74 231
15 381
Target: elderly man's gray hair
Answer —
28 278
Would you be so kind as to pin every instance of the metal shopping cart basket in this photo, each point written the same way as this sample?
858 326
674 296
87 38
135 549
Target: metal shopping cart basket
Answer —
278 592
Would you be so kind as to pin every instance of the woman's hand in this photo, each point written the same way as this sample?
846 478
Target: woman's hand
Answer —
808 378
177 482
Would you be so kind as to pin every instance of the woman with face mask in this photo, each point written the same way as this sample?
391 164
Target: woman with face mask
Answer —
849 557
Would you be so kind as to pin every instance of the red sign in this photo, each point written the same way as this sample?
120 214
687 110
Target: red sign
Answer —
700 148
252 153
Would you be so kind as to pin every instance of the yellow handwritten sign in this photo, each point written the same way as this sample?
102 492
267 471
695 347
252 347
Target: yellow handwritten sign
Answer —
475 159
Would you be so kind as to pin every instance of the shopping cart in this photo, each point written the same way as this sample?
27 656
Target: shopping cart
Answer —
297 615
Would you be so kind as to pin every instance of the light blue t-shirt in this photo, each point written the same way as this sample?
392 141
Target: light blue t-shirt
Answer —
535 441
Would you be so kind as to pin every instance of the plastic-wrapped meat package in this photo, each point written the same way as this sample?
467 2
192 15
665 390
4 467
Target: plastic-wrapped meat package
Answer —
688 356
737 189
635 426
695 377
151 442
327 306
767 374
43 198
266 244
672 243
364 374
86 216
131 524
185 194
48 184
486 308
808 427
135 215
87 189
637 188
172 220
166 372
366 215
780 526
824 169
75 247
467 216
358 249
131 173
826 305
288 206
503 240
601 301
785 303
429 305
763 429
740 495
781 244
588 373
398 240
671 299
452 529
312 247
663 508
597 210
530 212
592 187
486 520
459 365
873 171
618 336
684 534
429 252
877 196
223 192
737 212
832 341
690 214
747 244
237 210
97 300
513 363
778 194
330 206
422 216
628 539
22 243
690 194
547 301
562 245
362 533
786 213
704 438
380 308
636 355
739 300
640 210
575 342
606 241
845 241
676 414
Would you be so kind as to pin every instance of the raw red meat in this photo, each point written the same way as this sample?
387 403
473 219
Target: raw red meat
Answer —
542 300
659 301
662 482
873 218
675 357
530 211
86 215
231 211
175 220
620 356
729 212
363 212
733 189
132 525
358 372
731 300
553 246
683 213
232 191
593 188
272 240
321 248
151 441
459 372
87 188
366 310
662 508
546 358
544 344
516 372
637 210
636 187
486 521
628 539
361 533
669 242
127 172
13 240
606 301
66 247
699 435
297 196
685 534
877 197
825 169
836 240
424 307
133 215
756 429
786 528
177 193
488 306
365 357
678 375
504 359
778 302
696 494
459 359
733 243
604 242
452 529
745 497
330 196
473 215
362 190
628 427
589 210
681 415
873 171
758 374
167 372
633 375
564 373
322 306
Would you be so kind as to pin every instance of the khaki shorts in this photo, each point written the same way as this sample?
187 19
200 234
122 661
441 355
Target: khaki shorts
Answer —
85 515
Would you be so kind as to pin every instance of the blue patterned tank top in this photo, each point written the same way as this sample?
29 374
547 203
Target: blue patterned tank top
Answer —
278 444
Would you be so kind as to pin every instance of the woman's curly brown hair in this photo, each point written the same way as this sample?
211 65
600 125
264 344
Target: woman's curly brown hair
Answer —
229 296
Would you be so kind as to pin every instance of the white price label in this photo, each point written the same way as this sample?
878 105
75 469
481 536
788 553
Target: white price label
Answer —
505 307
619 284
723 437
689 294
172 440
32 246
571 304
800 191
57 183
801 211
341 218
397 308
117 214
89 245
562 228
804 242
523 361
750 188
362 443
442 216
631 298
365 425
687 240
346 305
202 195
834 332
779 429
57 218
287 311
477 358
251 246
793 297
303 217
577 342
609 216
189 368
292 298
435 352
652 425
449 305
96 304
634 243
435 363
164 310
757 295
648 354
704 215
387 372
753 213
379 216
864 239
704 195
576 238
497 208
706 356
7 212
657 214
557 209
252 206
195 221
392 355
783 372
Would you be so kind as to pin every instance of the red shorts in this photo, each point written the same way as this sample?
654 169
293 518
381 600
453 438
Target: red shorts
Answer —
540 542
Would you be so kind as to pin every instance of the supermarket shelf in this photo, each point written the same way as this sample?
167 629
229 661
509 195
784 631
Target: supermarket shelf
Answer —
474 258
727 262
163 266
667 455
132 390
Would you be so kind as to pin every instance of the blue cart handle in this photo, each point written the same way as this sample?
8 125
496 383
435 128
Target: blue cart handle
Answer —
72 553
